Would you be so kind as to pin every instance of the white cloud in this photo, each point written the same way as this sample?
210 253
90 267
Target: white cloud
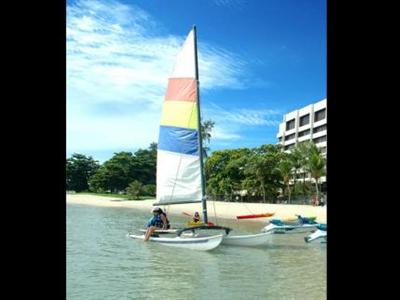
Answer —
108 133
115 57
220 133
243 116
234 124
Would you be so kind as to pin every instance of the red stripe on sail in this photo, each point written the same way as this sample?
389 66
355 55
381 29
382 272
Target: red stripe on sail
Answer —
183 89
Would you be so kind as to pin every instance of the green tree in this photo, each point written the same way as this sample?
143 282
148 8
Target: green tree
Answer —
123 168
145 163
301 154
296 159
316 166
206 129
285 167
115 174
149 189
99 181
224 171
79 168
134 190
262 167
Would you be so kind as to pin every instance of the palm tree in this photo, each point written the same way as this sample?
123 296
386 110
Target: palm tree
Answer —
296 160
302 153
206 128
285 168
316 166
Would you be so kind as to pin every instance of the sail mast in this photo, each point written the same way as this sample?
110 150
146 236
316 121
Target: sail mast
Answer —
203 186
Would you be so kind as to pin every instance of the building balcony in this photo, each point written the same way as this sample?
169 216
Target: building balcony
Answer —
289 142
290 131
304 127
319 134
319 123
321 144
303 138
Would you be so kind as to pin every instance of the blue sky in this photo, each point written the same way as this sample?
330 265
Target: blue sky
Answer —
258 59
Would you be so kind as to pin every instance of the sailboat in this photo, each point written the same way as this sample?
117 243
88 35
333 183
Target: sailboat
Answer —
179 157
180 169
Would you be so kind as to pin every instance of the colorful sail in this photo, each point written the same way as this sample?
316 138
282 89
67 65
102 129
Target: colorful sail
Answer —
178 155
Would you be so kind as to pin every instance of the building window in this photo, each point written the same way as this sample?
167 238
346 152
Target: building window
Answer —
319 128
280 139
289 137
323 149
319 115
303 133
320 139
304 120
290 124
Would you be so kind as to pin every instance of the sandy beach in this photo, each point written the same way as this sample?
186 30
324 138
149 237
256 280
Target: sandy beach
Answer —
224 210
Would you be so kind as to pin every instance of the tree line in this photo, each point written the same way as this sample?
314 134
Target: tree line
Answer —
264 173
133 174
116 174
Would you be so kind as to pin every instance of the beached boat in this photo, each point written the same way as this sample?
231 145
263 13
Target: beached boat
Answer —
301 225
319 234
252 216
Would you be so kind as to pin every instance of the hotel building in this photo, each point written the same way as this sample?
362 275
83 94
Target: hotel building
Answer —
306 124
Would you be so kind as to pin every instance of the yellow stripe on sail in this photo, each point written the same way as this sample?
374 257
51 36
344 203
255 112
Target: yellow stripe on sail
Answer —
179 114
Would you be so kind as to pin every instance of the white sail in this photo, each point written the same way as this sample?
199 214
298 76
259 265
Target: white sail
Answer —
178 154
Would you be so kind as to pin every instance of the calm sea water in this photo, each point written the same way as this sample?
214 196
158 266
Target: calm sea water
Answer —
102 263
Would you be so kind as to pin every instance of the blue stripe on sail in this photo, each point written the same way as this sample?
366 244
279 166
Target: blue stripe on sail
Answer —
179 140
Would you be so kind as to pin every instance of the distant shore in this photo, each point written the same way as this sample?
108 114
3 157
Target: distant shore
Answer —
224 210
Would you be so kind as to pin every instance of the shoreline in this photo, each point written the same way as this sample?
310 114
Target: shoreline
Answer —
224 210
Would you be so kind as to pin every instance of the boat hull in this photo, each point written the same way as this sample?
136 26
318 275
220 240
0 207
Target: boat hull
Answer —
266 215
196 243
319 235
247 240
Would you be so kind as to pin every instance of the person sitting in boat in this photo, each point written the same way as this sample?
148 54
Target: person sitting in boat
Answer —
196 218
158 221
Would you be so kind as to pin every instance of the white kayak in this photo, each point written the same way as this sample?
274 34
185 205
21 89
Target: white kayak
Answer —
194 243
247 240
317 235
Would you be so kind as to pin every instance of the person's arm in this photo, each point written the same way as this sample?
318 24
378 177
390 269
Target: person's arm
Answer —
164 220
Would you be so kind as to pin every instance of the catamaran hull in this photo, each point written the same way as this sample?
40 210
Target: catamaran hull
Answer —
247 240
317 235
201 244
